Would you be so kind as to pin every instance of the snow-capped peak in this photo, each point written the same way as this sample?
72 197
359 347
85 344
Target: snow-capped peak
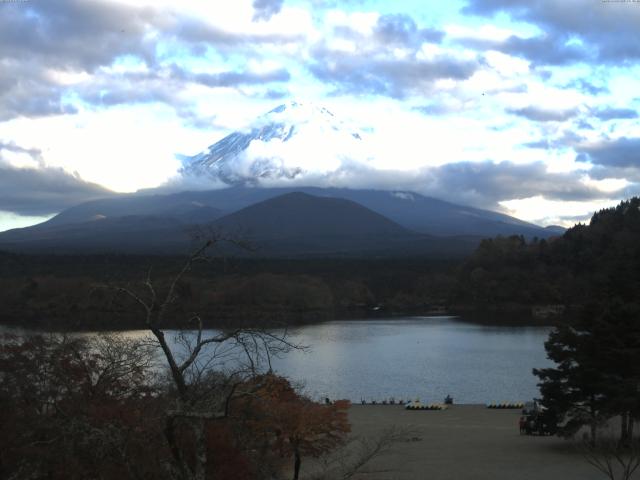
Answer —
309 108
292 140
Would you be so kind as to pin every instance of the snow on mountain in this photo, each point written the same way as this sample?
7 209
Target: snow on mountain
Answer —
292 141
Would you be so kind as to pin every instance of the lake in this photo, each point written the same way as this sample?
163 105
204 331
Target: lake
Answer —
425 357
415 357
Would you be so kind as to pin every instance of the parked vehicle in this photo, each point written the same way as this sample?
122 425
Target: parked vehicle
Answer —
539 421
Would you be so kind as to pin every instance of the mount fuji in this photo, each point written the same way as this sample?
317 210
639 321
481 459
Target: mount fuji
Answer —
281 179
291 141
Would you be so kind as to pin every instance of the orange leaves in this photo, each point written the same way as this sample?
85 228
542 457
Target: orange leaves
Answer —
293 422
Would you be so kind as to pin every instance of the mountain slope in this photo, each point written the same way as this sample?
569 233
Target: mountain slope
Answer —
299 214
292 224
177 206
410 210
127 234
301 224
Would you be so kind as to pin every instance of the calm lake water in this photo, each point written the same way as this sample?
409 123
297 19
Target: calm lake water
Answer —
424 357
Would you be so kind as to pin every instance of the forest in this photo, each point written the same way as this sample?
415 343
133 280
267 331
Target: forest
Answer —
67 292
598 261
507 279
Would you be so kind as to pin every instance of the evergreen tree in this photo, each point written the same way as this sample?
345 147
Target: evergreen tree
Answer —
618 330
597 373
574 389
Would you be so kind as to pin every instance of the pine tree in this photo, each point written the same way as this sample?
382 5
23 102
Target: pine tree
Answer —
597 373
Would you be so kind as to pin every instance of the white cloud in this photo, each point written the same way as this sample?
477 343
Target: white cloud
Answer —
506 64
9 220
484 32
608 185
67 78
361 22
19 159
553 212
123 149
465 104
548 97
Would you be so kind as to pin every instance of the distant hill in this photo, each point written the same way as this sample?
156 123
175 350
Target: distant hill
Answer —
301 215
410 210
555 230
436 217
177 206
292 224
301 224
128 234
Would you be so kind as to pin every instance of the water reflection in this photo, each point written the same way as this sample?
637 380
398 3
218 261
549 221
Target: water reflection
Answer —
425 357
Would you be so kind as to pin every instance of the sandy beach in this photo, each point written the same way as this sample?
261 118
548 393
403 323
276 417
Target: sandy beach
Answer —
466 442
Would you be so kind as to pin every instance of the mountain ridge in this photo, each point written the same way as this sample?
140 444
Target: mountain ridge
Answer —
285 144
293 224
409 209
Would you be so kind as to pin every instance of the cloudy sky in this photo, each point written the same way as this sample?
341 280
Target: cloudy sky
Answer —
526 107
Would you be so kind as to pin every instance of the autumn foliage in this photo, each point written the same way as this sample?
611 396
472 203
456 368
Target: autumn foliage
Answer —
73 407
88 408
293 425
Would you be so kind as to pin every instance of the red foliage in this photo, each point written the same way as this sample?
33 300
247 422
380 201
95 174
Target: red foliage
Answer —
234 462
292 424
66 413
72 409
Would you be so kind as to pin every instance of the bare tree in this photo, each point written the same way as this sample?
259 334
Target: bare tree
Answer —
614 459
195 362
354 459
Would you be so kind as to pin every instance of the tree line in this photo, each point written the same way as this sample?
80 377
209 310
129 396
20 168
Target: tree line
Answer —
598 261
59 291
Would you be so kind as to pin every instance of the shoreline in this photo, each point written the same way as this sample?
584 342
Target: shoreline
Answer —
502 319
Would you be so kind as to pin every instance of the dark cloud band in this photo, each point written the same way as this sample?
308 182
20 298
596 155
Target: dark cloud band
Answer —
43 190
539 114
622 152
593 32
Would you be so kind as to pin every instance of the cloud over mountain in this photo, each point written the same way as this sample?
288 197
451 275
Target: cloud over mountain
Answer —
498 86
300 144
36 189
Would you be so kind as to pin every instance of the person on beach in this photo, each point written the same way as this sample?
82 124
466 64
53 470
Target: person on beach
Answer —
523 425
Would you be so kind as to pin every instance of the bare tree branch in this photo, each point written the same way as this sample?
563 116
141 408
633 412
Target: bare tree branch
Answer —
611 458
